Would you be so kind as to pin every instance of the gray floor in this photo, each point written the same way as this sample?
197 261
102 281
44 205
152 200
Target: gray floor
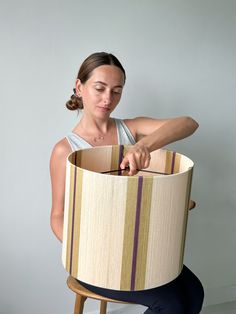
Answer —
224 308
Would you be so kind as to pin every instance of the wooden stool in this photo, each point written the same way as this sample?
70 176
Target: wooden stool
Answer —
82 294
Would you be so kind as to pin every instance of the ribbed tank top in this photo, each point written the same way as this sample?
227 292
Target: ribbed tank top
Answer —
123 133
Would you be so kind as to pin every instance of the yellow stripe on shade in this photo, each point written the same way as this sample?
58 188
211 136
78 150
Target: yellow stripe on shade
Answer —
72 170
143 233
76 225
129 226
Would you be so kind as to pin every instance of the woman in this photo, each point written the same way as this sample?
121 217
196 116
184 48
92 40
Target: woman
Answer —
97 92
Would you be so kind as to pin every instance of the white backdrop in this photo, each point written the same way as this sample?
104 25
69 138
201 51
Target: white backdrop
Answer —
179 56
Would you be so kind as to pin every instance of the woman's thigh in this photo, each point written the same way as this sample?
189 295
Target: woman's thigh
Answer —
184 294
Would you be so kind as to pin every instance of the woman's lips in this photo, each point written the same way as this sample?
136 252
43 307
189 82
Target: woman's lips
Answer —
105 109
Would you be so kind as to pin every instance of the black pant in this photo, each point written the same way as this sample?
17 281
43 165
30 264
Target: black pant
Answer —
183 295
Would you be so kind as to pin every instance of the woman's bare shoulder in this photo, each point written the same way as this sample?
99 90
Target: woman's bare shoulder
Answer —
131 124
142 126
135 124
61 150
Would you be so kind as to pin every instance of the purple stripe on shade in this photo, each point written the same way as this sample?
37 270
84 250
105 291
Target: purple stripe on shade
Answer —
173 163
121 151
73 218
136 232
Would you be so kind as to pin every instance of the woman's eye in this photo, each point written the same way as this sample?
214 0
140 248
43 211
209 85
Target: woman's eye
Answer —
99 89
117 92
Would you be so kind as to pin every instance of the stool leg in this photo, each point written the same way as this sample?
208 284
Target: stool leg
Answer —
79 304
103 307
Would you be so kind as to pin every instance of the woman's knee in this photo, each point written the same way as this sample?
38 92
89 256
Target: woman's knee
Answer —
198 300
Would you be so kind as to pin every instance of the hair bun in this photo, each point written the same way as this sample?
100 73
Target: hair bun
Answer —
74 103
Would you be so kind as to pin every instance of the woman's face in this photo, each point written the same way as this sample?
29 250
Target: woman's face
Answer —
102 91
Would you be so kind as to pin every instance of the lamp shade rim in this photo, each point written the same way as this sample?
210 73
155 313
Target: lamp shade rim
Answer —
137 175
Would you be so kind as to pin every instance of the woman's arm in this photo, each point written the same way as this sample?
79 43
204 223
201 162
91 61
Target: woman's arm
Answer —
153 134
58 173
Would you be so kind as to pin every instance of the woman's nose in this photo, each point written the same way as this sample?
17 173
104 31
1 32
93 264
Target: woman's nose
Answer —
107 97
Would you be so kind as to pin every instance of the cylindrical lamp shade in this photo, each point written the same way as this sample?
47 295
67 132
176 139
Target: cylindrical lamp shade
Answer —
125 232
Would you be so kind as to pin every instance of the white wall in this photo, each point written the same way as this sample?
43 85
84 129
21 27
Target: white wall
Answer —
180 60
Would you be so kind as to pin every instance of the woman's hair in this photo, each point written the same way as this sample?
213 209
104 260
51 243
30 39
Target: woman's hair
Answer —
90 63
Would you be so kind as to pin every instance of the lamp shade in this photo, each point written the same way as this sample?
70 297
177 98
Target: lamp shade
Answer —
125 232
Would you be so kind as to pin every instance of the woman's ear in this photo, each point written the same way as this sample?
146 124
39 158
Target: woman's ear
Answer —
78 85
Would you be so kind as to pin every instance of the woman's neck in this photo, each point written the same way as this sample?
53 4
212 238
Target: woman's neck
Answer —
97 131
90 125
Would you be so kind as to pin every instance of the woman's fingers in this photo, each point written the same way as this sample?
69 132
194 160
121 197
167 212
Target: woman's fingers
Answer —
138 157
124 163
147 162
133 165
129 162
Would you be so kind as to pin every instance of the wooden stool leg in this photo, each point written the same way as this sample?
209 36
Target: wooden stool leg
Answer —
79 304
103 307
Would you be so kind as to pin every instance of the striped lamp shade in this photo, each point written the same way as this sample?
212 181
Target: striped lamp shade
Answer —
125 232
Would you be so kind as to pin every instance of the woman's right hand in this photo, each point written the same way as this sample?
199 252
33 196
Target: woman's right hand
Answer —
137 158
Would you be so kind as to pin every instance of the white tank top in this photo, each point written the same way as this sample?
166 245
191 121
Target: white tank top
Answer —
124 137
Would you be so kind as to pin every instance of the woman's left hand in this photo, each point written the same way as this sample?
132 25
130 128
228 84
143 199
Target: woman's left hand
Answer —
137 158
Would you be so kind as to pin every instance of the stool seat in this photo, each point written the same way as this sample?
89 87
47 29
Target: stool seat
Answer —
82 294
